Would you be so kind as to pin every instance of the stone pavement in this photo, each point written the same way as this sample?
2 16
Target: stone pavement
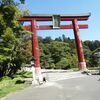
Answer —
52 78
60 75
56 75
74 88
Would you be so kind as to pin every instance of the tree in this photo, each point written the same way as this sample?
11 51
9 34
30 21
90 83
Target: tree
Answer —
7 2
11 45
70 61
64 38
58 50
90 47
57 54
47 40
11 2
22 1
58 39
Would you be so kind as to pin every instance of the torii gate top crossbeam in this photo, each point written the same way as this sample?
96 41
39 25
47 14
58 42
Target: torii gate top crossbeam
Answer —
48 17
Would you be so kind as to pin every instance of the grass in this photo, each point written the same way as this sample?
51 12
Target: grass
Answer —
94 68
8 85
24 74
89 68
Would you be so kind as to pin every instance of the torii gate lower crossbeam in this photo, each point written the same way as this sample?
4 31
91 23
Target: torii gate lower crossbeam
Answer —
74 18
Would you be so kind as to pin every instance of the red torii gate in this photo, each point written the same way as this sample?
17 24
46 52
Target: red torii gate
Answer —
65 17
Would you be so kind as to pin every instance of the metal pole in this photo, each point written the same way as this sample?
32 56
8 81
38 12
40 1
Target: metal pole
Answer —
80 53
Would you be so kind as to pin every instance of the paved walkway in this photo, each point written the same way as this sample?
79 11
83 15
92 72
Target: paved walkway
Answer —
56 76
62 86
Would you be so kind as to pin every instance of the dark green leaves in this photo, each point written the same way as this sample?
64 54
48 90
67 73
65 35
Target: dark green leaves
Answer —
22 1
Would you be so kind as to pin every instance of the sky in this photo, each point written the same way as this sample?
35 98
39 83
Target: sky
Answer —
68 7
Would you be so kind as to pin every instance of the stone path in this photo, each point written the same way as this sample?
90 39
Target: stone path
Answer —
77 88
62 86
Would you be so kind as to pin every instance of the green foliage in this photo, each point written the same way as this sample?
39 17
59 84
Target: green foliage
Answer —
13 52
8 85
94 68
92 45
62 64
96 50
26 13
7 2
69 62
90 48
22 1
11 2
58 50
23 74
56 54
61 52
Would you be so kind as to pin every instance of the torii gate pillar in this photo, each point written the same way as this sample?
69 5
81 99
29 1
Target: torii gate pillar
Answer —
35 48
80 53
